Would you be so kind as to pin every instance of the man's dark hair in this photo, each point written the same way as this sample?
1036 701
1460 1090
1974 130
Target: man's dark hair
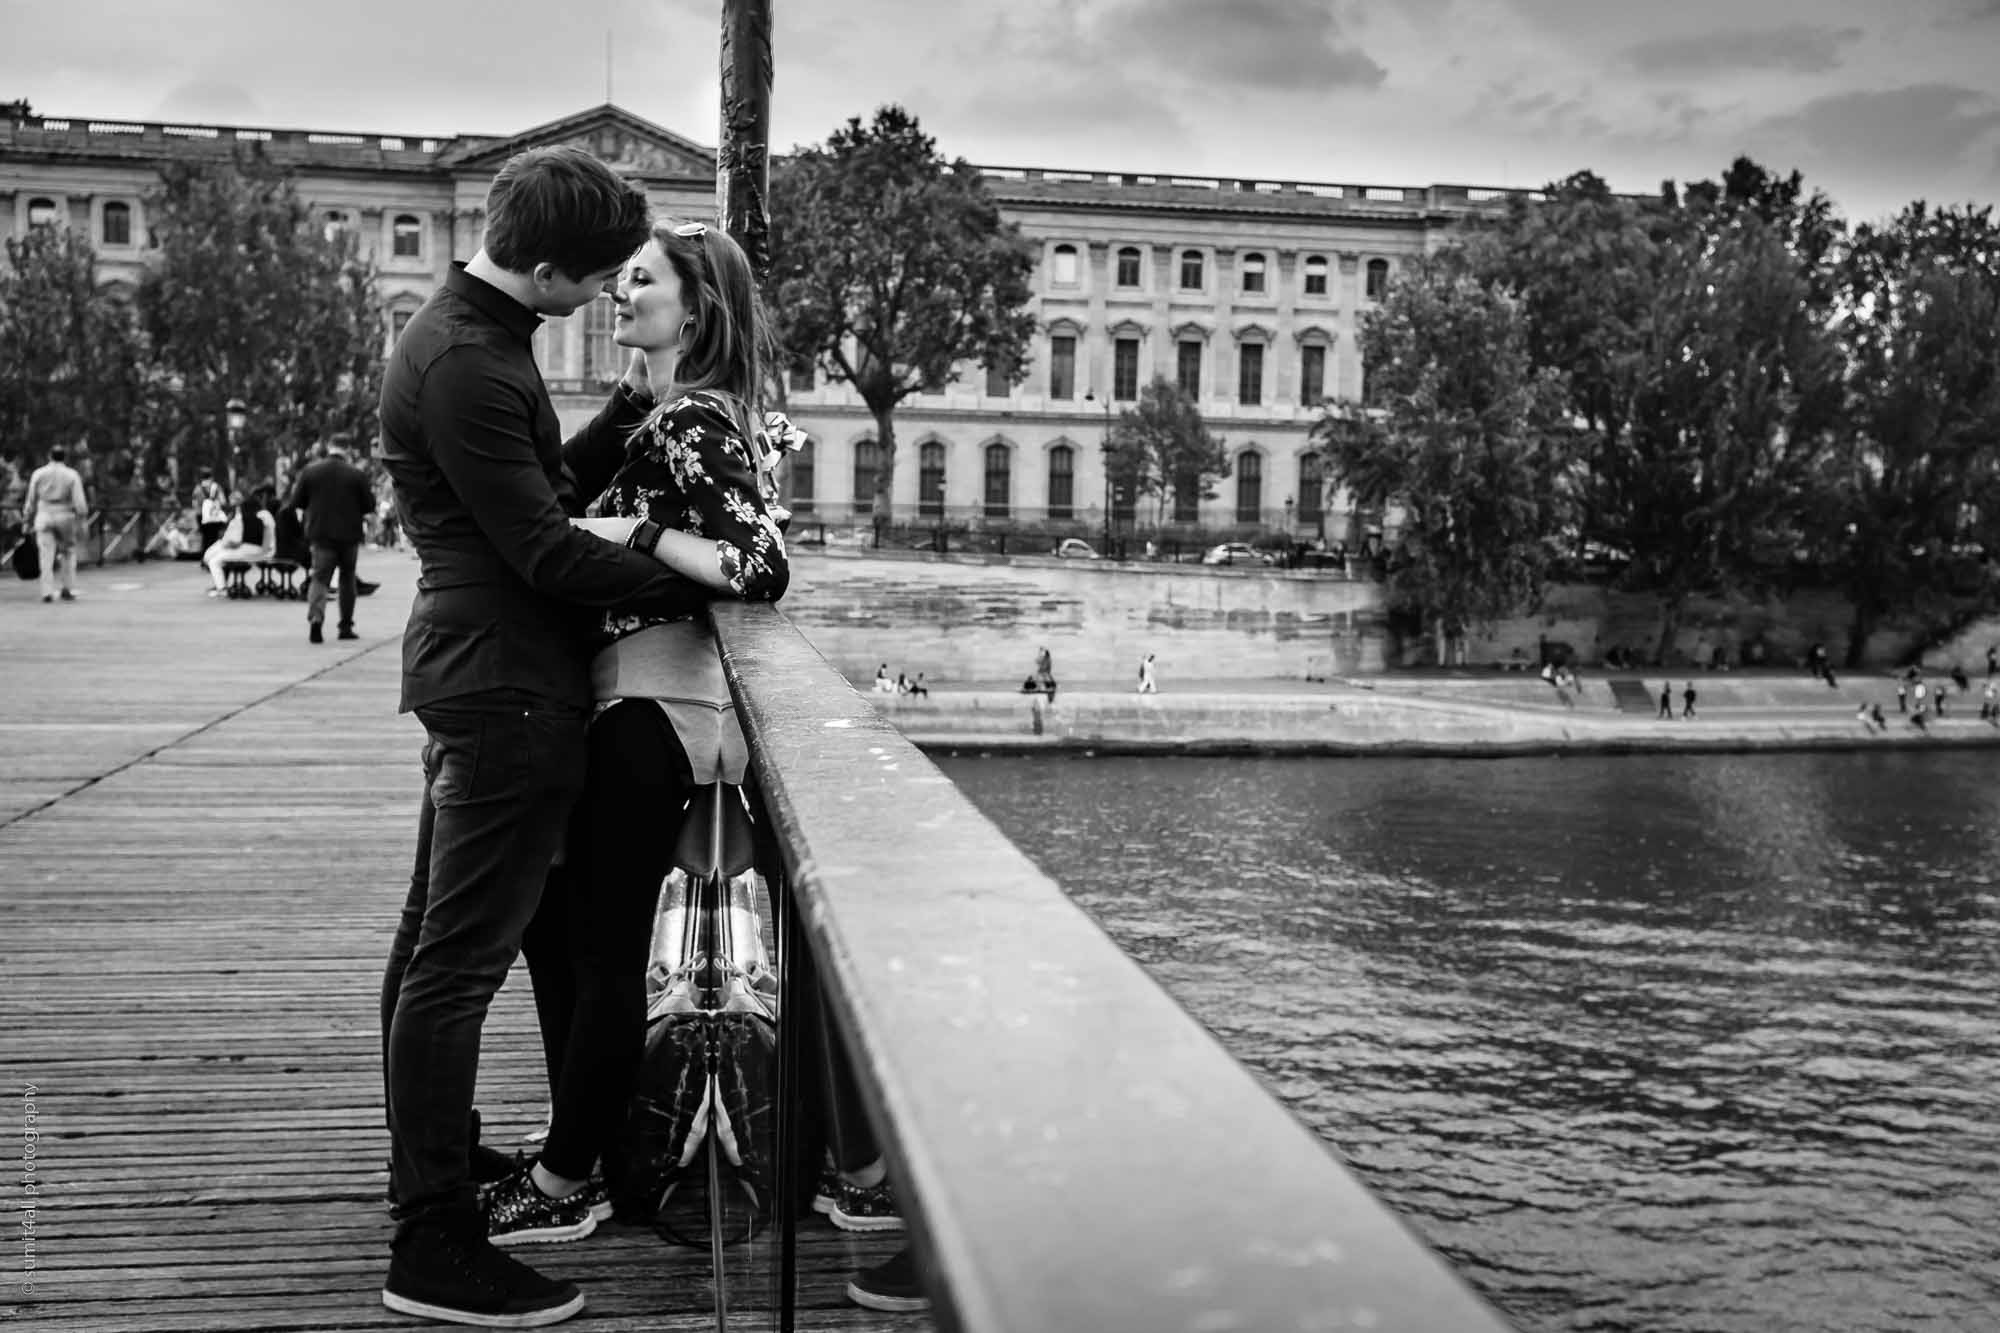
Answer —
564 207
58 454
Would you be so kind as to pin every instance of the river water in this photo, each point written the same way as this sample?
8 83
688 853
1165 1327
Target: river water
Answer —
1686 1044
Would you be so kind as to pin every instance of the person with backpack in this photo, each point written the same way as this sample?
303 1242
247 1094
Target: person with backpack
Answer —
211 505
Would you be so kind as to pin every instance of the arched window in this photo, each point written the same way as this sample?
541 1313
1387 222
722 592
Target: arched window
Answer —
398 321
1316 275
930 480
1249 487
1062 482
1191 271
1253 272
41 212
999 479
1062 268
601 360
1378 279
117 224
1128 266
406 236
799 477
867 457
1312 488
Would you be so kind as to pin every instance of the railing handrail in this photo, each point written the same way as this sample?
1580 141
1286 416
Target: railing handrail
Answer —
1074 1150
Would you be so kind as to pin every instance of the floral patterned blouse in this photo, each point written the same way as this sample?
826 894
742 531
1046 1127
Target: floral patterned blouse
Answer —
690 468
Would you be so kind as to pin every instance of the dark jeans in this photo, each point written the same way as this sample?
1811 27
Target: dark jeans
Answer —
326 557
499 783
588 944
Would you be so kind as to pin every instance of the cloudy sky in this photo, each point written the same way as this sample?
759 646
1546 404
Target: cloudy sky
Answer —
1877 102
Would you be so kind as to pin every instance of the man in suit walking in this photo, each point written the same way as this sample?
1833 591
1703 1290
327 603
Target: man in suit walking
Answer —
332 494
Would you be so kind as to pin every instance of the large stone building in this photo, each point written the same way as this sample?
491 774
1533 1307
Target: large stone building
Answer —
1248 293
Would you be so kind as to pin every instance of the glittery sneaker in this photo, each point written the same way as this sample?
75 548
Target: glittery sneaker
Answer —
518 1213
866 1208
827 1196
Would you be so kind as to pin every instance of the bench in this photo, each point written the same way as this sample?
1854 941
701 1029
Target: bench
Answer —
234 572
278 578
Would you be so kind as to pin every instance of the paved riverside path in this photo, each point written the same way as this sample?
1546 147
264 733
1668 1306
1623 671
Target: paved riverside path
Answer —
205 831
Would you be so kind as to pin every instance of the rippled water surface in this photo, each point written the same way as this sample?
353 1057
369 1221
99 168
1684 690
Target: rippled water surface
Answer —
1686 1044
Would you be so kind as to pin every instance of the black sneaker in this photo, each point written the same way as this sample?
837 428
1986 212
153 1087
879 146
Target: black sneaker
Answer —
891 1287
448 1271
518 1213
866 1208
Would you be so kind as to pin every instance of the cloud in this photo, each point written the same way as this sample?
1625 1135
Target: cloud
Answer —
1255 45
1915 129
1798 49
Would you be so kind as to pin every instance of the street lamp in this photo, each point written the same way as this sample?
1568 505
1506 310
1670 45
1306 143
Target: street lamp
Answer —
1109 452
235 415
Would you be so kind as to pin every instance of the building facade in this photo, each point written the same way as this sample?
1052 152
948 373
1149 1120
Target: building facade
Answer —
1249 294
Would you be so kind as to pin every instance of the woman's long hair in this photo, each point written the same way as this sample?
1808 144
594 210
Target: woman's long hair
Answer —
253 525
728 350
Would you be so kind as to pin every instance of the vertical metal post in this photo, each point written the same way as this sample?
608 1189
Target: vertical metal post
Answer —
743 157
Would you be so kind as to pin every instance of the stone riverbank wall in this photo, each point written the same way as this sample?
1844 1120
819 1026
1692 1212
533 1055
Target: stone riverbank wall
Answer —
974 618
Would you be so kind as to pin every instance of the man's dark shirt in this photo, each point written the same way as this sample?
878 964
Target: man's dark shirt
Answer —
484 484
335 495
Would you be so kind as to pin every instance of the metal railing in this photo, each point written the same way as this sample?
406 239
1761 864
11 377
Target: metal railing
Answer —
1071 1149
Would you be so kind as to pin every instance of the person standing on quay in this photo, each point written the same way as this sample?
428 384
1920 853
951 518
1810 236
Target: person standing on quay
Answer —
496 666
1667 699
1687 700
55 510
334 496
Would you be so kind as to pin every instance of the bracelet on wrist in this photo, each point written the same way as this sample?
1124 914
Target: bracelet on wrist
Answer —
645 536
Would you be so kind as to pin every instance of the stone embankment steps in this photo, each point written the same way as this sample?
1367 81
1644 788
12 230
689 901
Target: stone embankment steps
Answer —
1632 696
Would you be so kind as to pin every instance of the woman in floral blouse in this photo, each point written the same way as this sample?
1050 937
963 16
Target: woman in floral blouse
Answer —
696 489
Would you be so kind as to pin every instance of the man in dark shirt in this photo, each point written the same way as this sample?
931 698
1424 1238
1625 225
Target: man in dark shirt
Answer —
334 495
496 667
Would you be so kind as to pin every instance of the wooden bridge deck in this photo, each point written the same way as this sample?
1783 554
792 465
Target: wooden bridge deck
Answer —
205 831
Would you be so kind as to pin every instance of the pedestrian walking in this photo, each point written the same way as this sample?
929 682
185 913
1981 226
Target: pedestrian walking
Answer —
1687 700
335 498
1666 699
1875 715
1902 696
1992 660
211 504
55 510
1147 684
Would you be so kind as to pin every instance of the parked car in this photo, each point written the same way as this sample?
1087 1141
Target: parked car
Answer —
1235 553
1076 548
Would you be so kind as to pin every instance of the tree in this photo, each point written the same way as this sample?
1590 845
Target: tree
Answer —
1461 430
892 269
1162 447
70 362
1918 465
249 299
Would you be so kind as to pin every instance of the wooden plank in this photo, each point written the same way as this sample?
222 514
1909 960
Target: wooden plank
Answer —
201 864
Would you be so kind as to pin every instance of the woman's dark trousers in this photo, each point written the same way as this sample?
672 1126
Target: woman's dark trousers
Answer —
588 945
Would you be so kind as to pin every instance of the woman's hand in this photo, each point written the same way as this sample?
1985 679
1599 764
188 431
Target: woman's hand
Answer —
637 378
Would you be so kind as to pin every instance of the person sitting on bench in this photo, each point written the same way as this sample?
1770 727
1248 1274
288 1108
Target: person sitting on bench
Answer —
248 539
